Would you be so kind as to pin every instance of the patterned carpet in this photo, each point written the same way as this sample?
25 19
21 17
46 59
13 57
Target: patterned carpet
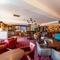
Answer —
46 58
23 42
36 57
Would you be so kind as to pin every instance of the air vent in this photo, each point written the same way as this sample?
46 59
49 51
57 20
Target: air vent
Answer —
16 15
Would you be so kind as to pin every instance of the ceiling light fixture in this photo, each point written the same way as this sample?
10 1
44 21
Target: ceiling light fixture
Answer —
16 15
0 29
31 21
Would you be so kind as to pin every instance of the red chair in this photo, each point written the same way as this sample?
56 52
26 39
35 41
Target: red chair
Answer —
3 48
1 40
30 56
29 51
12 43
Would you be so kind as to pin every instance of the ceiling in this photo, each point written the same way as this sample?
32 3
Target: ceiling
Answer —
54 5
47 12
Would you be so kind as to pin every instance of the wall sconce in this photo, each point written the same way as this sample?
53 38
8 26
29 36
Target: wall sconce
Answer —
0 29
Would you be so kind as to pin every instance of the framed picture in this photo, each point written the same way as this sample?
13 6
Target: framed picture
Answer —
10 28
17 28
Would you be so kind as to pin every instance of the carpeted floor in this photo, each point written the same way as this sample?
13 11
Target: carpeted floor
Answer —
24 42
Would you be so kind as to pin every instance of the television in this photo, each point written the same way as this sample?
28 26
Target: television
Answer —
23 28
57 37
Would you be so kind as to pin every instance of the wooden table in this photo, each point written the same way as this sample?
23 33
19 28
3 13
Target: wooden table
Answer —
14 54
54 44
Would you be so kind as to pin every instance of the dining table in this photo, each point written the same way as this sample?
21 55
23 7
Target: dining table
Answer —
13 54
54 44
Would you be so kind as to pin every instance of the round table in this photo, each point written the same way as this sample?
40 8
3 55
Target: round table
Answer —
14 54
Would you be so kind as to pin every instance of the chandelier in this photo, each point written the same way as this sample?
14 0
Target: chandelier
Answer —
31 21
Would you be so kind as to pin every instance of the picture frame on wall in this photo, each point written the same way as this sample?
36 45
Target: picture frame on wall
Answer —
17 28
10 28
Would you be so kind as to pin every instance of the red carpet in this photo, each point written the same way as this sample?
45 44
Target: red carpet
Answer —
24 42
45 58
36 57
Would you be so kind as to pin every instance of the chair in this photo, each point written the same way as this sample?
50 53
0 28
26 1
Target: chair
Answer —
42 50
29 51
30 56
55 55
3 47
11 43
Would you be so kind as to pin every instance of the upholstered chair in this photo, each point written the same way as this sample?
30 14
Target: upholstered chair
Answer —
29 51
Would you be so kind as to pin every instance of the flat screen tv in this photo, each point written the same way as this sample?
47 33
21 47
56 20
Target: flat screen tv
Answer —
23 28
57 36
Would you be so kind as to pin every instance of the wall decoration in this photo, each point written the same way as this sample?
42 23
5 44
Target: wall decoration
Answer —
10 28
17 28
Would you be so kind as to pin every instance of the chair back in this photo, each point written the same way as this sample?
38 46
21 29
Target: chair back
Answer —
12 42
32 46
